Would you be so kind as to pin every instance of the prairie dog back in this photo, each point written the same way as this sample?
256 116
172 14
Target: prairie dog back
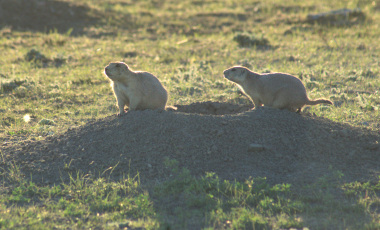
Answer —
277 90
136 89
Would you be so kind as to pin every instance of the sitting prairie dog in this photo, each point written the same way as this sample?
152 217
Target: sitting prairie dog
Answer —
135 89
277 90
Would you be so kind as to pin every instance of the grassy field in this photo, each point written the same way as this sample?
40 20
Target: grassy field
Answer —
51 77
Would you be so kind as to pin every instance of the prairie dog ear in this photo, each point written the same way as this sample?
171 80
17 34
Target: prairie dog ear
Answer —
121 65
243 70
239 71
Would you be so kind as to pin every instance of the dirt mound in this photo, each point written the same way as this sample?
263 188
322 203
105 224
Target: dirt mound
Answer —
279 145
212 108
44 15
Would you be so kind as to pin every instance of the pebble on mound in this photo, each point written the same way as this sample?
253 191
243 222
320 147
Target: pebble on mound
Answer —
288 148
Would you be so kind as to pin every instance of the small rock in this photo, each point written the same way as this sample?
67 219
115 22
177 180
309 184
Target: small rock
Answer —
292 58
46 122
288 32
278 155
373 146
247 40
219 133
361 47
255 148
34 55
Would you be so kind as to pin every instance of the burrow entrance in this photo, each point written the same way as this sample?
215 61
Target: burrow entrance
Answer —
213 108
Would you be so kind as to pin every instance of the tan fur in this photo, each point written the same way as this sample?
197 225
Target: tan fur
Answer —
135 89
277 90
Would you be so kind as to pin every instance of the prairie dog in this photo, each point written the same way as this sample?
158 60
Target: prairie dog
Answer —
277 90
136 89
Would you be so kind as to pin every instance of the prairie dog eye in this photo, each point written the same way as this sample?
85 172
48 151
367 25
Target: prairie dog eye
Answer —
233 70
117 65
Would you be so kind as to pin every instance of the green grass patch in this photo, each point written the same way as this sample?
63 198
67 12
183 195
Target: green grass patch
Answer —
82 203
187 202
52 79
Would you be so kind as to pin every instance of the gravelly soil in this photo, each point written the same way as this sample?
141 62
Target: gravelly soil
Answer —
294 148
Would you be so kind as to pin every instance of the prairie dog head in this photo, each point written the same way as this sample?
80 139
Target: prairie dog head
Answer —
116 70
236 74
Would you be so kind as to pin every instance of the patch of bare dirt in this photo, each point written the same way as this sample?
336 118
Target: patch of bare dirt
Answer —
212 108
46 15
283 146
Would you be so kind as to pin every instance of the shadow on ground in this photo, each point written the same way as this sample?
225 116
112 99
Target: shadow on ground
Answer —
45 16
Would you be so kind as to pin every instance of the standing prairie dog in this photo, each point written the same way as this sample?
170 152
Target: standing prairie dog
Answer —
135 89
277 90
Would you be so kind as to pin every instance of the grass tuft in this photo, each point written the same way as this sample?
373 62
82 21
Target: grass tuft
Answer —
246 39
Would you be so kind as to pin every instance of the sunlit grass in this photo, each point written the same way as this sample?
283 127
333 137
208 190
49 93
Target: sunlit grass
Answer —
187 44
88 201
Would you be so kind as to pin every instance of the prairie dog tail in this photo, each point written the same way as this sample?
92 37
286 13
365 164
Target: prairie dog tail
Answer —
171 108
319 101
